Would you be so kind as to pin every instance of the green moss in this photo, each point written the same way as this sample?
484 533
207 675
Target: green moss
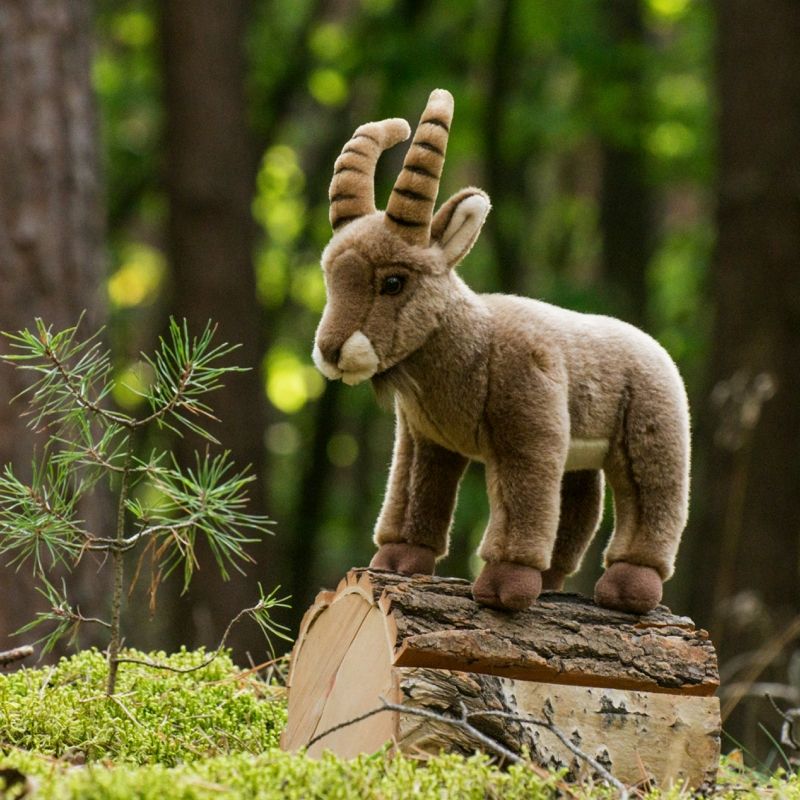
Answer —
283 776
156 717
214 733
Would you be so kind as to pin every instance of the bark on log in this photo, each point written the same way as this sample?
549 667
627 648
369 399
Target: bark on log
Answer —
639 737
564 638
632 690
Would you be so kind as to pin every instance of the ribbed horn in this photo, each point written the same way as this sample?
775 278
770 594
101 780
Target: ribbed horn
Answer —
410 207
352 190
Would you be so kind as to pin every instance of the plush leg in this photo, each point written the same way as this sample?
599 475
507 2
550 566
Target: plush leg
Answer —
507 586
412 529
581 512
529 443
628 587
408 559
519 538
648 469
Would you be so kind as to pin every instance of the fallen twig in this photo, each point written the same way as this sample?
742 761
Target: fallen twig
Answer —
789 718
547 724
782 691
17 654
463 723
256 668
206 661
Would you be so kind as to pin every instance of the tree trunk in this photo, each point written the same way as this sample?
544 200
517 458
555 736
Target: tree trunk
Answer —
504 174
752 439
210 174
51 215
747 546
626 202
313 490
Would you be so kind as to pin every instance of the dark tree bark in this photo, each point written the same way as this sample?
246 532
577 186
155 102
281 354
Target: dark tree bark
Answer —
313 491
210 174
51 217
747 544
505 174
626 199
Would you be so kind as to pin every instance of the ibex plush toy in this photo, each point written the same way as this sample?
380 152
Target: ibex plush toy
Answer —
547 399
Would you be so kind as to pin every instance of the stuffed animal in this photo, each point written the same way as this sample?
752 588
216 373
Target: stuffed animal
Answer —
548 399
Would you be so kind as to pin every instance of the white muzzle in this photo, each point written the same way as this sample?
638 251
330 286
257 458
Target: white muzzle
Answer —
358 361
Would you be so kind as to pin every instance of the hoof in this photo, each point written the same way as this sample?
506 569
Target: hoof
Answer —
628 587
407 559
553 580
508 586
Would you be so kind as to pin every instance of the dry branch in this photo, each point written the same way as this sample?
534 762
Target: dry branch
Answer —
17 654
464 723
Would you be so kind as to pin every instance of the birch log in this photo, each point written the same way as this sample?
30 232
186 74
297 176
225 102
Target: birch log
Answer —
633 692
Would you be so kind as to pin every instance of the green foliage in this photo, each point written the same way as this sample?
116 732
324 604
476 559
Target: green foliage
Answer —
127 81
157 717
209 733
163 507
208 500
276 775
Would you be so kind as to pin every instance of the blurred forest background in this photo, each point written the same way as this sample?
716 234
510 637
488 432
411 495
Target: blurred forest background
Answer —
166 157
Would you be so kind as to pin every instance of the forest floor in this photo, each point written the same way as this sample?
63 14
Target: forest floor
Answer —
214 733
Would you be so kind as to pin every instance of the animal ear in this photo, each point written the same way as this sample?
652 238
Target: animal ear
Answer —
458 222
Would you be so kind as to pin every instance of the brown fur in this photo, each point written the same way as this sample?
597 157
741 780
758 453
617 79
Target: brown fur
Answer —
546 398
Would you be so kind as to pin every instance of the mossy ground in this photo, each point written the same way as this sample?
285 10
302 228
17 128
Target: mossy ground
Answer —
214 733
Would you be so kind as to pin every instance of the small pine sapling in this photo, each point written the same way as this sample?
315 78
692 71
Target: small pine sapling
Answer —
162 507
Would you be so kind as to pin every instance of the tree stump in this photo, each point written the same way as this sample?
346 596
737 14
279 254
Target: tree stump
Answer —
633 692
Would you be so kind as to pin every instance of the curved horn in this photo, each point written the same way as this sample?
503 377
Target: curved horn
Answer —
411 203
352 190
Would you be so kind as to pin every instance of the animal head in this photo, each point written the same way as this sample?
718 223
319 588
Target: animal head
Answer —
389 274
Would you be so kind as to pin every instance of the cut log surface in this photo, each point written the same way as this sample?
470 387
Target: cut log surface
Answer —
635 691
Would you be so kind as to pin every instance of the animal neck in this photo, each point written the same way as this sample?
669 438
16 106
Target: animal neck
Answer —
454 351
463 325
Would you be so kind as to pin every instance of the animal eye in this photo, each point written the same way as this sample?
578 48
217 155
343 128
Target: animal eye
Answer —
393 284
